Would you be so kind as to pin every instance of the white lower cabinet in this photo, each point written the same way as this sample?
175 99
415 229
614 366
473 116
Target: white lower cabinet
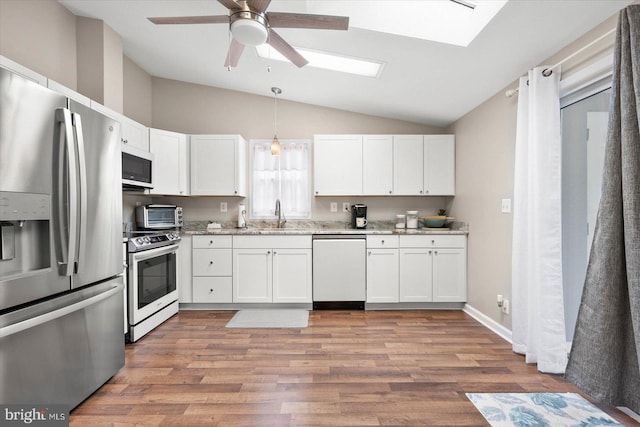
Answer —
272 269
433 268
211 269
383 269
185 294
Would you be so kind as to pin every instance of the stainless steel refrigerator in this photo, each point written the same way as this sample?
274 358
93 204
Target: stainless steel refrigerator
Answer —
61 282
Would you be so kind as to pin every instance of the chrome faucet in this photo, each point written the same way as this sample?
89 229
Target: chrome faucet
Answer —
281 219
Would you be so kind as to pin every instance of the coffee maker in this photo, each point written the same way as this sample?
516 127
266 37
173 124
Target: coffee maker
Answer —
358 216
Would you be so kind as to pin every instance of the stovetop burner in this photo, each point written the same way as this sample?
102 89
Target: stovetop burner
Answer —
150 239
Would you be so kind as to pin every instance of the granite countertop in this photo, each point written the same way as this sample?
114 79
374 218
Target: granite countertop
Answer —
314 227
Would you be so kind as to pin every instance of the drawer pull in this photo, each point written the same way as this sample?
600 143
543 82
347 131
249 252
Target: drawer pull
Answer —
433 241
210 262
383 242
211 291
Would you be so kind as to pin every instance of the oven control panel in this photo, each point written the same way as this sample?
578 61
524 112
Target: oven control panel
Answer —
152 241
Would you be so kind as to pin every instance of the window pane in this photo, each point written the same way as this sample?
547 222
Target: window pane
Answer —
284 177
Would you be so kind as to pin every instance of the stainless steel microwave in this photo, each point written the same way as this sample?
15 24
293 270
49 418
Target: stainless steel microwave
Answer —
137 169
159 217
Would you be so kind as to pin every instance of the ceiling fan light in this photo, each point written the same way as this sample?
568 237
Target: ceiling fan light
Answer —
249 32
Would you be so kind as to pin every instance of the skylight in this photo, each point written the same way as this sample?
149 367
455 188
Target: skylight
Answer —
455 22
327 61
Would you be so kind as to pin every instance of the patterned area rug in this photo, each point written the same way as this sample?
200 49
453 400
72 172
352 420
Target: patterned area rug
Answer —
271 318
539 410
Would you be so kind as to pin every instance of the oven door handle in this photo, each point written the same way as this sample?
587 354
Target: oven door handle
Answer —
152 253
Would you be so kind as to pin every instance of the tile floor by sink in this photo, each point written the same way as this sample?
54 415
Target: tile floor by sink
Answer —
350 368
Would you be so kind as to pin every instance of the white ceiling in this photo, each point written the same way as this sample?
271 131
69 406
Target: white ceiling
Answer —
423 81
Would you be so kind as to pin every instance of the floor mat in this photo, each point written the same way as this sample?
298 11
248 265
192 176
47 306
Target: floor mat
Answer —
270 318
539 409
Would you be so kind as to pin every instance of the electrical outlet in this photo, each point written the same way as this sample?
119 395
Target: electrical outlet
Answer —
223 206
506 205
334 207
345 207
505 306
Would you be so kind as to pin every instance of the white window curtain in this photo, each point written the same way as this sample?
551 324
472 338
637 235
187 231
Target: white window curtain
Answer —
537 295
284 177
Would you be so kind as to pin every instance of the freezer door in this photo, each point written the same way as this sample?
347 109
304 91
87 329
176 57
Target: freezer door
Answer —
62 350
100 219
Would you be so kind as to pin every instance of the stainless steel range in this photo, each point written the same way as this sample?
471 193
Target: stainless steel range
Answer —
152 278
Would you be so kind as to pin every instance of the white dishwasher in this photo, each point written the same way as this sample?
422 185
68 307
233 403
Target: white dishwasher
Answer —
339 271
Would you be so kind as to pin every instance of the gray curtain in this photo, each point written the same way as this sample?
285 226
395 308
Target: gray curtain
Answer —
604 358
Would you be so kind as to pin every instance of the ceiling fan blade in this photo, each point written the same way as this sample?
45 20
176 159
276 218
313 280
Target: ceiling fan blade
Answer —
230 4
214 19
302 20
235 51
259 5
286 49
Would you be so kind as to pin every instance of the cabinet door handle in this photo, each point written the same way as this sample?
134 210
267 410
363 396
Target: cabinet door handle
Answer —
268 252
390 192
433 241
430 252
274 252
210 291
211 242
316 192
426 191
383 242
210 262
420 191
235 191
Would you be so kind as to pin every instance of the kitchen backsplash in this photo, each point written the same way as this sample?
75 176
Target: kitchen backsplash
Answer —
208 208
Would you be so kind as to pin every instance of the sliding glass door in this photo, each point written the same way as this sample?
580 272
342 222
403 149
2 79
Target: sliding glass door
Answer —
584 133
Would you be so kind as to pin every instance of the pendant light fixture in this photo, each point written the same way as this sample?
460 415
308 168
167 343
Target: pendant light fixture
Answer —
275 144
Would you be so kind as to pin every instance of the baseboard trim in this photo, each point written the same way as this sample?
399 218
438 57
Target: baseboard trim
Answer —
488 322
629 412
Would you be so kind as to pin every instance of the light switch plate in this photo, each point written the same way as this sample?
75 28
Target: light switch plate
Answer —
334 207
345 207
223 206
506 205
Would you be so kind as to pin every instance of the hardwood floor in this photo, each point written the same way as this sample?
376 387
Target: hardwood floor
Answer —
348 368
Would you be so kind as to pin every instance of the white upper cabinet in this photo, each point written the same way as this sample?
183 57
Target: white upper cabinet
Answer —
218 165
384 165
377 165
171 162
134 134
440 165
408 168
22 70
337 165
69 93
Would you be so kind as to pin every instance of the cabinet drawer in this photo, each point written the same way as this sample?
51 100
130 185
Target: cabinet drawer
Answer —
212 262
433 241
272 242
381 242
212 289
206 242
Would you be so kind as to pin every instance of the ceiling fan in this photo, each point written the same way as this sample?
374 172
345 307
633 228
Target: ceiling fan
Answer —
251 24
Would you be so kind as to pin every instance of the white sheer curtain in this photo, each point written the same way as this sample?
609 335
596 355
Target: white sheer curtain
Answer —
537 298
284 177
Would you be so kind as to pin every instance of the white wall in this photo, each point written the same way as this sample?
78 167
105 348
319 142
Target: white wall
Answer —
41 35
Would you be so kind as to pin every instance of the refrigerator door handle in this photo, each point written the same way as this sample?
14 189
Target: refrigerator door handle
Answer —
32 322
66 186
82 183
